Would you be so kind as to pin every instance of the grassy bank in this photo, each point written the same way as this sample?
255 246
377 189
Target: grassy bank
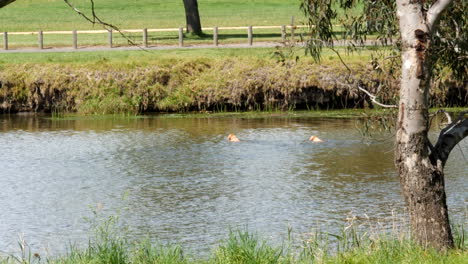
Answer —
218 80
242 247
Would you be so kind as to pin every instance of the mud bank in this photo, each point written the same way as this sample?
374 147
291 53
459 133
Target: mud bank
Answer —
197 85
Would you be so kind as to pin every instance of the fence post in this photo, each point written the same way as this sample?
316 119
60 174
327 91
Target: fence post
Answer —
181 36
283 33
292 28
5 40
75 39
145 37
110 38
215 36
41 39
250 35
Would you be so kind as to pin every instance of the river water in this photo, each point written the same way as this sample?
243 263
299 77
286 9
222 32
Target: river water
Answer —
179 180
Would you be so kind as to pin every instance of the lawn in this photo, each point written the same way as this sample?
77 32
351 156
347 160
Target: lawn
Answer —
55 15
46 15
141 57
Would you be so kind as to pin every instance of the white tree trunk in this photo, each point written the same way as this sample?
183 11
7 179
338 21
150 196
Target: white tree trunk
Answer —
422 181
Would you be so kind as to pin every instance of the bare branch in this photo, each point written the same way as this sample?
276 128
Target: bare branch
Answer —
435 10
96 20
449 137
372 97
93 19
5 2
391 57
341 59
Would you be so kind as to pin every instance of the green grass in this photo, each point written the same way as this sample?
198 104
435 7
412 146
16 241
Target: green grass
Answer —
357 241
155 39
181 80
55 15
171 80
151 56
343 113
243 247
226 36
32 15
51 15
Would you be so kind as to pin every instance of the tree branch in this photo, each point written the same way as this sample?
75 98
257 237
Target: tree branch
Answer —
372 97
449 137
449 121
5 2
96 20
435 10
341 59
93 19
447 115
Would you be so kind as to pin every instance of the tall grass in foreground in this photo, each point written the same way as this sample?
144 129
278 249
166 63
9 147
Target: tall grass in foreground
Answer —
244 247
350 246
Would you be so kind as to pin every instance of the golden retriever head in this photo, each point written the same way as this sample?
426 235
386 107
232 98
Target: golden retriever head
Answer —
315 139
233 138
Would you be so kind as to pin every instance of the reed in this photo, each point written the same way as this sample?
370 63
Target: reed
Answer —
244 247
356 243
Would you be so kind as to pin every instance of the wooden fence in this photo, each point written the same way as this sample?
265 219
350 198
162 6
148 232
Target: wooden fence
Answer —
250 30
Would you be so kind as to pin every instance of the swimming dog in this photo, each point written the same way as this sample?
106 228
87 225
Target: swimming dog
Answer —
233 138
315 139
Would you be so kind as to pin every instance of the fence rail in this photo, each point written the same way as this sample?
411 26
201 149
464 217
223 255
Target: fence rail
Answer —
249 34
101 31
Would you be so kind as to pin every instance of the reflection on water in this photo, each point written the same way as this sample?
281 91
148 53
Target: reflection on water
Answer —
186 183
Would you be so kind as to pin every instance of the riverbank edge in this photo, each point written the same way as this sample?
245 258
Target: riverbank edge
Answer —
352 245
200 84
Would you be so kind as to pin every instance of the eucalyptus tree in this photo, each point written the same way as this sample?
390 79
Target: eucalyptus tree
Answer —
427 34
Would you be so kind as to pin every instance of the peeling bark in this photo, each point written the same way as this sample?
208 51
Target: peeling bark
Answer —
421 180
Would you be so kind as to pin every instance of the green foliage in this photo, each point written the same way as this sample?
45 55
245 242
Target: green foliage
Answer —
360 19
358 242
320 17
450 42
147 253
380 18
244 247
